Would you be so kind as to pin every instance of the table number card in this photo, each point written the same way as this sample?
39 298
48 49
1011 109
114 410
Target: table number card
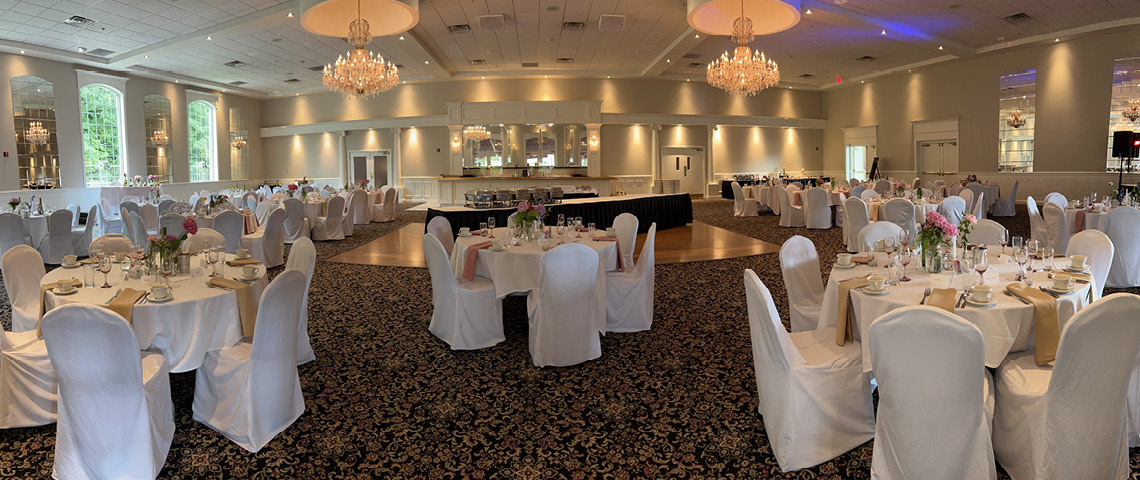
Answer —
990 276
940 280
1005 259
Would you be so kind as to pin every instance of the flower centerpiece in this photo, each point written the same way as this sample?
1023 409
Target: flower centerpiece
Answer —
918 193
13 203
764 181
964 229
528 220
935 231
292 189
364 184
900 188
166 247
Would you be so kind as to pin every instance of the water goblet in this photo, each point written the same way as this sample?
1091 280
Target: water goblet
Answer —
906 255
491 225
105 268
1033 247
1020 255
1003 239
981 264
561 219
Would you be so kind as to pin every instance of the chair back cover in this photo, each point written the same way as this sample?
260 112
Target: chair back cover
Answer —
629 301
198 241
857 191
278 197
107 427
1057 198
1056 227
799 264
74 207
172 223
303 258
58 242
939 184
737 199
274 239
80 242
853 181
361 213
326 194
139 234
23 270
468 317
349 213
953 208
868 194
882 187
916 183
1037 228
335 211
874 232
626 226
855 211
789 217
976 189
149 214
564 328
930 367
1099 249
263 208
444 286
193 201
231 225
986 232
294 220
128 228
331 227
388 208
164 206
11 231
274 385
441 228
249 200
968 196
1123 228
900 211
111 243
130 207
979 205
817 212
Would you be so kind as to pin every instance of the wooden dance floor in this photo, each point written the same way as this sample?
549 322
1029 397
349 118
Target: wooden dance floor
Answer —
696 242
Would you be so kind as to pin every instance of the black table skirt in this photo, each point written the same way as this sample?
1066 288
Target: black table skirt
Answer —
726 185
669 211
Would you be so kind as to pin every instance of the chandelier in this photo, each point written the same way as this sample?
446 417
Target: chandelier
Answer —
476 132
362 74
1132 111
1016 119
747 72
159 138
37 134
239 143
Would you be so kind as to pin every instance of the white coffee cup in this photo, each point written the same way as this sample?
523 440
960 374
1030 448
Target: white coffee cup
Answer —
876 283
119 256
160 292
63 286
1063 282
69 259
242 252
1078 262
249 271
843 259
465 230
982 294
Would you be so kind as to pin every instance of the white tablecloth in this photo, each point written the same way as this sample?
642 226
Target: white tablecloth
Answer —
1006 327
116 194
198 320
833 199
875 209
516 268
1093 220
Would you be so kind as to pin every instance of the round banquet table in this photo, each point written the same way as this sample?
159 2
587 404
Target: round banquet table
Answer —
874 208
1006 327
197 320
1093 220
515 269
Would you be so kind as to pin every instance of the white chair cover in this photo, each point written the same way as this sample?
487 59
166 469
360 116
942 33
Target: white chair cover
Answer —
915 183
853 181
116 419
857 191
129 206
128 227
232 226
251 392
874 232
467 315
27 381
263 209
441 228
278 197
362 213
349 213
149 214
790 215
329 227
855 211
626 225
278 189
1057 198
817 212
1005 207
986 232
976 189
164 206
194 201
58 242
198 241
900 211
11 231
23 270
1037 229
1069 420
814 396
980 205
1099 249
742 207
882 187
799 264
111 243
563 333
204 193
1056 227
138 230
296 223
1124 230
326 194
303 258
74 208
164 197
172 223
249 200
953 208
939 185
868 194
968 196
271 249
629 295
108 222
386 212
935 399
81 237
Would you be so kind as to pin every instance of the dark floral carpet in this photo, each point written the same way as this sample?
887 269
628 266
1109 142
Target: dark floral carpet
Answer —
386 399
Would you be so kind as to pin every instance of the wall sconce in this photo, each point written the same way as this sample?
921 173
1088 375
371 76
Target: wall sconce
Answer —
593 140
456 144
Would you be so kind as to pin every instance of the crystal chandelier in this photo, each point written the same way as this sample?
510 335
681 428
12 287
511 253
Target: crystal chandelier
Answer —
476 132
159 138
1016 119
362 74
747 72
239 143
1132 111
37 134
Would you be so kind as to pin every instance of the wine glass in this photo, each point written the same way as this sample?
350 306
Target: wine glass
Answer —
1033 247
889 247
561 219
1020 255
105 268
491 225
1003 239
1017 242
981 264
167 267
904 238
905 256
220 252
211 259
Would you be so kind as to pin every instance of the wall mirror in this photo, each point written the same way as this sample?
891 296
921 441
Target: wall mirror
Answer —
526 146
1017 111
33 106
156 116
239 148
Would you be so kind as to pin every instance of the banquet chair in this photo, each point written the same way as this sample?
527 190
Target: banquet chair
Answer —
130 207
278 197
936 398
386 211
251 391
201 203
564 328
900 211
164 206
916 183
306 189
28 383
164 197
172 224
279 189
1056 227
855 211
111 243
440 227
362 213
977 190
839 212
149 214
271 250
329 227
231 225
1037 228
303 258
1057 198
857 191
874 232
882 187
629 295
204 193
817 212
868 194
1005 207
193 201
798 185
1069 420
1123 228
116 418
326 194
128 227
466 314
1095 245
790 215
23 270
986 232
953 208
139 235
263 209
349 213
742 207
626 224
11 232
296 223
108 222
510 220
968 196
81 237
205 237
74 208
249 200
799 265
58 241
853 182
814 396
980 206
939 185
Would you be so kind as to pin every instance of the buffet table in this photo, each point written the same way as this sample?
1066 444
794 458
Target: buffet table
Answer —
669 211
451 189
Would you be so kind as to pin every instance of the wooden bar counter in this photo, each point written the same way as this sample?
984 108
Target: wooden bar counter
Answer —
451 189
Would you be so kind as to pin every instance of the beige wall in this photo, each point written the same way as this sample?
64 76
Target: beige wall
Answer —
627 150
1073 94
764 150
425 151
296 156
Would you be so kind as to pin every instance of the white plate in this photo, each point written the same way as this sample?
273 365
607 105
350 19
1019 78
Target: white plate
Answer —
249 279
493 249
154 299
884 291
69 292
1071 269
464 236
844 267
991 303
74 265
1057 290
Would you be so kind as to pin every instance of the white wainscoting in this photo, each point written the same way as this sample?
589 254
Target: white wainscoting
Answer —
1038 184
631 184
419 189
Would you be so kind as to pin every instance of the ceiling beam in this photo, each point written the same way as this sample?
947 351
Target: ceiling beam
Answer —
683 44
411 50
896 31
1067 33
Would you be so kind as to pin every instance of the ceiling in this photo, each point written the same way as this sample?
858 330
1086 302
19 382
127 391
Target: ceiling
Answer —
193 40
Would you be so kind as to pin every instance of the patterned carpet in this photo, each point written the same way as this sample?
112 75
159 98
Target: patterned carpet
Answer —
387 399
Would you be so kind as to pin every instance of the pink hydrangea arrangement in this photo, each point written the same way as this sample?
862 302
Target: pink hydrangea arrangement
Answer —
14 202
528 213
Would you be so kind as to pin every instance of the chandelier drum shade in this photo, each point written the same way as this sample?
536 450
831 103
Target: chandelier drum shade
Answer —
716 17
362 74
386 17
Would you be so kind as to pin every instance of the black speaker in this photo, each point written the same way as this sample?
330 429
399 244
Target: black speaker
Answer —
1124 145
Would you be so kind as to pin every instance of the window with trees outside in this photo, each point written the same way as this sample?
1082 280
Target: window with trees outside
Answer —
203 146
101 116
1125 88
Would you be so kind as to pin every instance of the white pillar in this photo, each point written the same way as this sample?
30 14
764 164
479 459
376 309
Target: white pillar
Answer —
710 172
343 155
396 168
594 149
455 139
655 157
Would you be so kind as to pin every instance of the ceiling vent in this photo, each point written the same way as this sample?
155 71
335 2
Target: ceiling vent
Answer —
479 61
294 81
492 22
565 60
79 21
100 52
806 75
696 65
530 65
237 83
577 26
867 58
1018 18
463 28
318 68
611 23
235 63
691 56
398 66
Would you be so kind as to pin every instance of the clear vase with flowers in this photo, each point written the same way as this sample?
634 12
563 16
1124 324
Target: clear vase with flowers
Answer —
935 231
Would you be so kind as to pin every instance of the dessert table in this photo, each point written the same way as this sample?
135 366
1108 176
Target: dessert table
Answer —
198 319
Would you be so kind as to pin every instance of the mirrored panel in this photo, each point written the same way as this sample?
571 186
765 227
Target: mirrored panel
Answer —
156 111
544 149
239 151
33 106
1017 102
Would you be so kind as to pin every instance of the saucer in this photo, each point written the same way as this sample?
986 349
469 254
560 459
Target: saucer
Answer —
1074 270
464 235
884 291
844 267
247 257
1058 290
154 299
493 249
72 265
990 303
73 291
249 279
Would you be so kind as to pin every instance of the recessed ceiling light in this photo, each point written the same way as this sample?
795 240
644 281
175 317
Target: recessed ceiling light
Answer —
405 81
290 14
667 60
144 56
482 78
21 52
82 49
860 81
607 76
940 47
1055 40
686 79
296 94
176 81
546 76
884 32
697 36
401 37
909 70
223 90
425 62
808 12
209 37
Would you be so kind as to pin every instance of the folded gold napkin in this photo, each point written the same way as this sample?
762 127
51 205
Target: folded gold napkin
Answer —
1079 277
863 258
247 307
1045 322
943 298
88 261
124 303
43 299
843 328
242 263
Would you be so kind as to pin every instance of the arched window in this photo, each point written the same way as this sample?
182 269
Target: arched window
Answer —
203 141
101 114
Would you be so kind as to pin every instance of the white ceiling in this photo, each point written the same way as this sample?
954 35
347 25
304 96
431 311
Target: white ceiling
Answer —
168 38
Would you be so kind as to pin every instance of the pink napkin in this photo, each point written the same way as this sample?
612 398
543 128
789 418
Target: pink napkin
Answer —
621 262
1080 220
472 257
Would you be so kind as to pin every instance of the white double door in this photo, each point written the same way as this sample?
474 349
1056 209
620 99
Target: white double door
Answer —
370 165
686 164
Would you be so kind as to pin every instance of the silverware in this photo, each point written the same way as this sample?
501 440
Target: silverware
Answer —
117 292
142 299
1022 300
924 295
1055 295
961 301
